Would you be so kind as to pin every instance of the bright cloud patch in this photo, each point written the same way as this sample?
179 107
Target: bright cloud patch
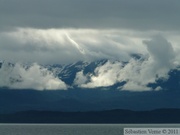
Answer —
137 73
67 45
33 77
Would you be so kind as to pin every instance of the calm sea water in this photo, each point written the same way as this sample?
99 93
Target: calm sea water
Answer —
72 129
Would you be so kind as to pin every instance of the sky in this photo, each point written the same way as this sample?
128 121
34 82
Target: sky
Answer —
66 31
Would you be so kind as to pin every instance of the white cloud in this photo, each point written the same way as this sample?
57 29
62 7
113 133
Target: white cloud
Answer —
157 65
112 72
33 77
161 51
105 75
138 73
80 79
66 45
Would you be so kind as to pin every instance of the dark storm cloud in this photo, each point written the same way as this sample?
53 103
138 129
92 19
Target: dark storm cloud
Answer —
137 14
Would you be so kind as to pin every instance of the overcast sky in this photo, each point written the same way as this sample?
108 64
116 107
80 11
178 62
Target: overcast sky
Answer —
65 31
124 14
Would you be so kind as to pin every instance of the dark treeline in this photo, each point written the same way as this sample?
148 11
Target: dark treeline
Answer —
110 116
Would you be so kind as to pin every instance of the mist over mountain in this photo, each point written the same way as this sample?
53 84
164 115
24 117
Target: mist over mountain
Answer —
76 95
102 74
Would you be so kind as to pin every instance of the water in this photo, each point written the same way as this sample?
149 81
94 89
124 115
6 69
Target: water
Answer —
72 129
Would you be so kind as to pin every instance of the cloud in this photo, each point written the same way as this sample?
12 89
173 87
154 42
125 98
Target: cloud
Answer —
113 72
126 14
80 79
161 51
33 77
62 46
53 31
50 46
137 73
105 75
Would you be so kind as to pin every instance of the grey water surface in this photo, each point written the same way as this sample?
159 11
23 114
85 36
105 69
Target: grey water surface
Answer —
73 129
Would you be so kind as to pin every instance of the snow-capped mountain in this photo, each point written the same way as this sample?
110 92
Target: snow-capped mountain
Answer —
96 85
102 74
67 73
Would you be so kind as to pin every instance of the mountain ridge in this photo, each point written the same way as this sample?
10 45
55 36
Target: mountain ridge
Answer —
68 73
12 100
76 98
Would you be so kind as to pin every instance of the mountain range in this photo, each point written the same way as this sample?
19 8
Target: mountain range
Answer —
77 98
68 74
